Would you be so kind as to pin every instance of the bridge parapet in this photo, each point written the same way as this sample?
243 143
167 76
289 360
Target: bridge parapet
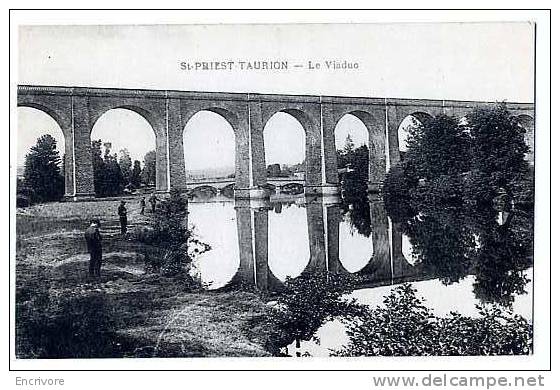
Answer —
255 97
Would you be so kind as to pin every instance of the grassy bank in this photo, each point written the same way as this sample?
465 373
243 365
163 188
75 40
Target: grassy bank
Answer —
61 312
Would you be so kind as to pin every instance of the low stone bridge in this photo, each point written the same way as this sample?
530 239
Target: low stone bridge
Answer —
227 185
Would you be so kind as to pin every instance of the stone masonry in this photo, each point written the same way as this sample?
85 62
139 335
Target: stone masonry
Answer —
76 109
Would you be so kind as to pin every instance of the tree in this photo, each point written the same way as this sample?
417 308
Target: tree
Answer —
434 167
443 243
498 147
436 148
136 175
354 183
42 171
125 163
149 170
309 301
447 193
273 170
396 195
98 166
348 145
107 175
114 182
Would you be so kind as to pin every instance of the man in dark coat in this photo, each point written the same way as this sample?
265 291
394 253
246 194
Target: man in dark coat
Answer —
142 205
122 217
93 240
153 201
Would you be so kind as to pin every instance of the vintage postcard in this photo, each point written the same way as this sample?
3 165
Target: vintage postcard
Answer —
280 192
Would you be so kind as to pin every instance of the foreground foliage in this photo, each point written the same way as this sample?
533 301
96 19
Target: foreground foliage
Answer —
403 326
173 245
308 302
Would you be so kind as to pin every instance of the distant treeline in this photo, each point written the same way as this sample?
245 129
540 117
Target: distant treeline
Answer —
114 174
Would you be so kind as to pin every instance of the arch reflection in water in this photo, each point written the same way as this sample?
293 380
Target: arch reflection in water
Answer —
252 227
403 270
215 225
379 269
259 244
271 241
408 251
288 241
355 248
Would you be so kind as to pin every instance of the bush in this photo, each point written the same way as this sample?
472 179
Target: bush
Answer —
405 327
309 301
66 326
498 145
172 245
23 201
24 194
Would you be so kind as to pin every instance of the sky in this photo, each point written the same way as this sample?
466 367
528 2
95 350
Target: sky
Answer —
462 61
120 127
209 142
32 124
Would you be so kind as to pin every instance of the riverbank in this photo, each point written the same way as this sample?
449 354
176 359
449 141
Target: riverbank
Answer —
61 312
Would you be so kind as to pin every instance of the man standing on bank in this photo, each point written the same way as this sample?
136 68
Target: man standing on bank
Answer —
153 201
142 205
122 217
93 241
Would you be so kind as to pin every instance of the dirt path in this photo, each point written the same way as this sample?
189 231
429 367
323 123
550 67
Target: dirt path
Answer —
61 312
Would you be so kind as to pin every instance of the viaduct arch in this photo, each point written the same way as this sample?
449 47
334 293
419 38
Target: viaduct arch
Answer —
76 109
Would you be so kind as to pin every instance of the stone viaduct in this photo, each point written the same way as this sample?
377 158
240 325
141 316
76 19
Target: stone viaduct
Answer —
76 110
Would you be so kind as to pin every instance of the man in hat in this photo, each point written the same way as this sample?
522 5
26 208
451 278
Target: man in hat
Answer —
142 205
122 217
93 241
153 201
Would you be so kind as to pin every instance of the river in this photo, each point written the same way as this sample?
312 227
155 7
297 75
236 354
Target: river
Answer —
260 244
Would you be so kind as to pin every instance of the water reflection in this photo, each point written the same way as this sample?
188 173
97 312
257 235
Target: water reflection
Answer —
286 257
259 244
455 259
269 241
215 225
